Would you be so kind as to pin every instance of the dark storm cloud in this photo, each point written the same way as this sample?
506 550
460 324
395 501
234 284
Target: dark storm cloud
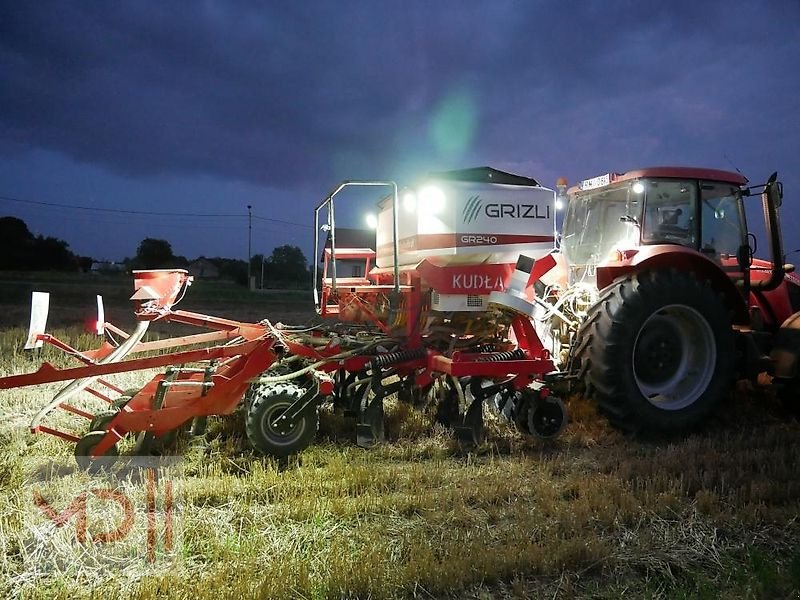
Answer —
302 92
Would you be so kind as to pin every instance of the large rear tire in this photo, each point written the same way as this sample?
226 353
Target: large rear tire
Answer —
656 352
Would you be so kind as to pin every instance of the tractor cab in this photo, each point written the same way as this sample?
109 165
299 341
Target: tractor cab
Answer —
695 208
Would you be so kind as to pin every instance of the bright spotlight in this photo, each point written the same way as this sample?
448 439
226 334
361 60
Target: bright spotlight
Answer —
372 221
559 204
638 187
432 199
410 201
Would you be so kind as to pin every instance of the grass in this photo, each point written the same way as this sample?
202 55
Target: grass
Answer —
593 514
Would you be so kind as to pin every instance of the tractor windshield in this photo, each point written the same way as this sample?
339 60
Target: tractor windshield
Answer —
596 223
651 211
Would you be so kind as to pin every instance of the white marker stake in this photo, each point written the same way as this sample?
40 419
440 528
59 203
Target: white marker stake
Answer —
100 325
40 306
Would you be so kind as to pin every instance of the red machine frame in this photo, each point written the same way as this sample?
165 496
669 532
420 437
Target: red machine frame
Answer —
235 354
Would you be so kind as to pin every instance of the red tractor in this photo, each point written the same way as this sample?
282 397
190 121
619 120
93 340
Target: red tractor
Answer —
658 303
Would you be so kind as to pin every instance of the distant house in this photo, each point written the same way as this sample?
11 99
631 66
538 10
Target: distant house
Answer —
349 240
202 268
107 266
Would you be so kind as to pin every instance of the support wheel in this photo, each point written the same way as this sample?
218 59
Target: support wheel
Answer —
121 402
102 419
656 352
83 450
547 417
270 436
519 406
148 444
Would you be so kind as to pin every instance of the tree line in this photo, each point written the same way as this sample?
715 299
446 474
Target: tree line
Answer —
285 267
21 250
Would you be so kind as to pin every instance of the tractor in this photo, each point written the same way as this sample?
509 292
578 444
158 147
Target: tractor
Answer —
658 304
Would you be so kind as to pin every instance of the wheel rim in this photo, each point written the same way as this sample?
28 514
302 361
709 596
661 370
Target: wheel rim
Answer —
281 435
674 357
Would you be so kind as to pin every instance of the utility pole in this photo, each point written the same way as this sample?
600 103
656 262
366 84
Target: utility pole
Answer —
249 241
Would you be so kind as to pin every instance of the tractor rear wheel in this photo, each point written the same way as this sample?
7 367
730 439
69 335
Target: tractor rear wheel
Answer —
272 437
657 351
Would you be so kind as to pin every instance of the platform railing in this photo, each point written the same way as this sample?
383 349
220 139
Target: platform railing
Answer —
331 227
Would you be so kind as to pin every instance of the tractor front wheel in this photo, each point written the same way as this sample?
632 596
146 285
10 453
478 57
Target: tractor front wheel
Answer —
657 351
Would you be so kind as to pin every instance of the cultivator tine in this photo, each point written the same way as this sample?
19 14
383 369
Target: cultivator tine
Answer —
370 426
370 430
470 433
144 444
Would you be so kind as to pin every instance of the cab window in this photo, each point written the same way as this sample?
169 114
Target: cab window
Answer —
723 226
670 213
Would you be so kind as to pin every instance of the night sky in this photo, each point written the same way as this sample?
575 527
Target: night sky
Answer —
202 108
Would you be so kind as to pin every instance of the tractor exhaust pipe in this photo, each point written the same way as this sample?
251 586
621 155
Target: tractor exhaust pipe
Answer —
771 198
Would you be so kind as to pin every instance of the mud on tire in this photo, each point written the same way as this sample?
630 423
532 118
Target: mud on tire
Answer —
656 352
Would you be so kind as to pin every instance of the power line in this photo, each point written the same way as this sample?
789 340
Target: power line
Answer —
150 213
145 224
284 222
117 210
